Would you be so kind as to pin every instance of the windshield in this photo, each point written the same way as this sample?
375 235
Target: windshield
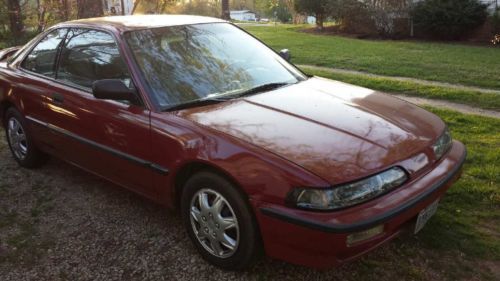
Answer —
182 64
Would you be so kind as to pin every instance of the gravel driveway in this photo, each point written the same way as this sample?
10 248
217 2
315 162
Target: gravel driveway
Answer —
60 223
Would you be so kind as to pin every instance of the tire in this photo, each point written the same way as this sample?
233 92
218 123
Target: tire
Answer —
21 142
208 224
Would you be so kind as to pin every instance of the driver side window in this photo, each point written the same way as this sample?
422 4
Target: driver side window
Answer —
89 55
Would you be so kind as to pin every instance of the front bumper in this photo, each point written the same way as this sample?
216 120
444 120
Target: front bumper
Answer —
318 239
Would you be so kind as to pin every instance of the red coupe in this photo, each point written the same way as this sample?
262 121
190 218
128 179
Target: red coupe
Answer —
197 114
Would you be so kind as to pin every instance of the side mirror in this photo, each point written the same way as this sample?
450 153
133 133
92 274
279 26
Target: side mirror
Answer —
285 53
114 89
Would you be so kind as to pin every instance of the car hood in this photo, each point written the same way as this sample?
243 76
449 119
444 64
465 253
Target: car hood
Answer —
338 131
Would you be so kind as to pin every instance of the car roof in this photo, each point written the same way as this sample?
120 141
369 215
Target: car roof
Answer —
135 22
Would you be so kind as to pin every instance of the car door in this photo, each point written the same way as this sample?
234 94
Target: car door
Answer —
106 137
38 70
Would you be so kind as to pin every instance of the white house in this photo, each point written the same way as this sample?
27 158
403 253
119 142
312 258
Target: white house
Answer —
243 15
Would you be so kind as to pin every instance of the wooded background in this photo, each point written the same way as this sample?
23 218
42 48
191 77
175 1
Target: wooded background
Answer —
453 19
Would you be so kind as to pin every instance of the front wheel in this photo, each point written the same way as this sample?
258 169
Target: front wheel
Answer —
220 222
20 141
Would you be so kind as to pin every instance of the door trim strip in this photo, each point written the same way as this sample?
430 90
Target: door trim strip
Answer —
155 167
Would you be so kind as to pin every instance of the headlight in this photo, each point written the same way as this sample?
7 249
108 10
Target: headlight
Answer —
442 145
349 194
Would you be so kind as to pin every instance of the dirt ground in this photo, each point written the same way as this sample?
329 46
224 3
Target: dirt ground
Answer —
60 223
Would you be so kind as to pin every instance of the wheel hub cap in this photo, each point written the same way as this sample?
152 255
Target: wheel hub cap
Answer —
17 138
214 223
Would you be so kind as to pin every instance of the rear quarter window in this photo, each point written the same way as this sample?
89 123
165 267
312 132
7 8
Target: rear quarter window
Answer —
42 59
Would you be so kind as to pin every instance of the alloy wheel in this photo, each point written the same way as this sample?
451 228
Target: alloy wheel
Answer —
17 138
214 223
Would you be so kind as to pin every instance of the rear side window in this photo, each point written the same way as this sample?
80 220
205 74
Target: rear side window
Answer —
90 55
42 59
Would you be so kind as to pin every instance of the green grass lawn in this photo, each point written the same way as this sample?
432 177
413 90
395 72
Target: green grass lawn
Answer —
463 238
469 219
477 99
446 62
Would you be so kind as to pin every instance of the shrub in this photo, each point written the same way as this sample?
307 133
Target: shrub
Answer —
388 16
495 21
449 19
7 40
354 16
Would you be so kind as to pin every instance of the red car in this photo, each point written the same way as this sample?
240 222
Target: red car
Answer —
196 114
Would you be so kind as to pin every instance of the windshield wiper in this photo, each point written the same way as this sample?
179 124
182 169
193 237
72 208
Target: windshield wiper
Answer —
200 102
262 88
225 97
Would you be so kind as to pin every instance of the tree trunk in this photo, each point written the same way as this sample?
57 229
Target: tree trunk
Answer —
40 16
157 7
290 4
15 19
89 8
319 21
64 10
225 10
299 19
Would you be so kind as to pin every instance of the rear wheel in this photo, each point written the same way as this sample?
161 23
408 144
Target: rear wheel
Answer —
21 142
219 222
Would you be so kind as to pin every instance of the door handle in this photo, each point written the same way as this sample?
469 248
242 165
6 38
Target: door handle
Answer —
57 98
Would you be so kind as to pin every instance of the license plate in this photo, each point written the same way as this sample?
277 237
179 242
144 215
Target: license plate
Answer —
425 215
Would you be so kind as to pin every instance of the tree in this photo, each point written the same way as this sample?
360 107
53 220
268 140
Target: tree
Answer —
210 8
242 4
48 12
89 8
281 11
225 10
4 20
40 16
495 21
15 18
263 8
296 17
354 16
160 6
319 8
385 15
